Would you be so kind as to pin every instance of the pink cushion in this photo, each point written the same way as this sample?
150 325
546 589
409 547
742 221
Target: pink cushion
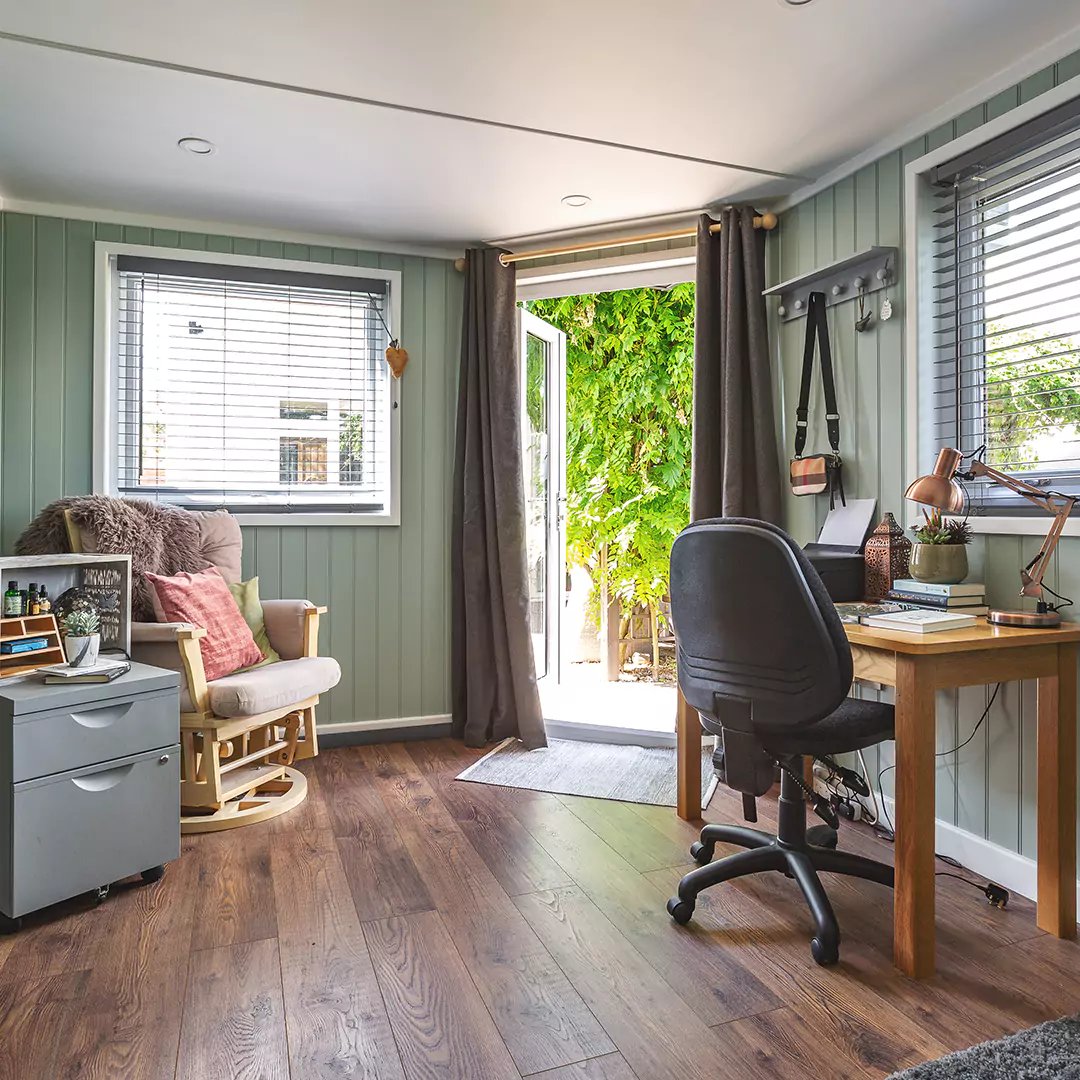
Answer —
204 600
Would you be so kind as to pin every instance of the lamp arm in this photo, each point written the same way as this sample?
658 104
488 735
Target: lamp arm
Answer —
1059 505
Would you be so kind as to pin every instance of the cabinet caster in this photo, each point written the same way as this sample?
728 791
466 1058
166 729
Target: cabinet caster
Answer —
680 910
824 952
9 925
154 873
101 894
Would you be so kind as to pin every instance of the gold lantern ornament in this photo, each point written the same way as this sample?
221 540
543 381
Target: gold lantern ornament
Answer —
886 555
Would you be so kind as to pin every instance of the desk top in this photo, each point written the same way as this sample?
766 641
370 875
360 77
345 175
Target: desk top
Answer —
967 639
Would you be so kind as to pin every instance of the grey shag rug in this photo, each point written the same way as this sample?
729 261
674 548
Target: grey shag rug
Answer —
1050 1051
641 774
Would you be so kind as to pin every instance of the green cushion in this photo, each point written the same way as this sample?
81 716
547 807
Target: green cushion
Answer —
246 595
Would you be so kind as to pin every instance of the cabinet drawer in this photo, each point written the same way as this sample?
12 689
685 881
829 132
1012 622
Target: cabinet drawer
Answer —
93 826
62 739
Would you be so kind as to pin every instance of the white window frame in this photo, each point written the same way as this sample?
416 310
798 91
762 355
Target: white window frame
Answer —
918 320
106 360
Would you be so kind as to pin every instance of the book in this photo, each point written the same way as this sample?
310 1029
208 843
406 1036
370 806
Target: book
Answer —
935 601
89 675
13 648
920 621
964 588
857 611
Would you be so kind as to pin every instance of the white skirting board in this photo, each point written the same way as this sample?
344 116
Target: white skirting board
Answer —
1016 872
385 725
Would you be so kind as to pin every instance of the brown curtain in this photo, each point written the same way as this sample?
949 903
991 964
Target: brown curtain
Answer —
493 678
736 468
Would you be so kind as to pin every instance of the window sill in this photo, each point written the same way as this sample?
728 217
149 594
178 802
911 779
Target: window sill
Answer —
1035 525
281 520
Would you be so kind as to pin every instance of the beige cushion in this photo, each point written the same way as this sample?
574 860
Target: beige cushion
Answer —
221 541
275 686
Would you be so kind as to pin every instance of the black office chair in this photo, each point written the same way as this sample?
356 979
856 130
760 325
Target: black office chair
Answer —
764 659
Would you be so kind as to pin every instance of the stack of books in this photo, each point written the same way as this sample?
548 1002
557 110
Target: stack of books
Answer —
968 598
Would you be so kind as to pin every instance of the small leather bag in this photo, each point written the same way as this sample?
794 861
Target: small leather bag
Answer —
818 473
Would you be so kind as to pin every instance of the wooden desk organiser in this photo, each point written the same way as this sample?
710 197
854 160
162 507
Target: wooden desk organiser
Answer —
21 627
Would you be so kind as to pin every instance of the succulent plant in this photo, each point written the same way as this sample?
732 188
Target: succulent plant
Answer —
81 623
938 530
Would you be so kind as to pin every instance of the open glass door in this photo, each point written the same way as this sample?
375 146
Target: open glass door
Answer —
543 391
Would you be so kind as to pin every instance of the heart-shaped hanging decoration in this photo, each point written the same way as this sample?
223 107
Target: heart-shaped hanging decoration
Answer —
397 358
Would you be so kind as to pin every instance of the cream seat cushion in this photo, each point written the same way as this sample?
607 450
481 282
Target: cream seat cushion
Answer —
275 686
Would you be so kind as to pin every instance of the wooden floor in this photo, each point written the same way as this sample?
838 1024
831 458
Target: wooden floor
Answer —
402 925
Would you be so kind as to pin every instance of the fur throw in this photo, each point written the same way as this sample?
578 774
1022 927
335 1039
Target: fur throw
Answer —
159 539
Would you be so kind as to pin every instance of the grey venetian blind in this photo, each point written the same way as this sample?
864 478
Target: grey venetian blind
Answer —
1006 293
255 389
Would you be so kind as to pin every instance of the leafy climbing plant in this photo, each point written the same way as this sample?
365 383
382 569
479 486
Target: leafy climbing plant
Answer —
629 380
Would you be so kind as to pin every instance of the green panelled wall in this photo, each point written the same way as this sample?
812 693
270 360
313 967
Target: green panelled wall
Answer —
387 588
989 787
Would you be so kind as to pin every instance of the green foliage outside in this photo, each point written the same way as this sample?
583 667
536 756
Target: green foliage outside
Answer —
351 448
629 380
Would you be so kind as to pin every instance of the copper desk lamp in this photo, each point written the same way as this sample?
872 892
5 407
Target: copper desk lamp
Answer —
942 489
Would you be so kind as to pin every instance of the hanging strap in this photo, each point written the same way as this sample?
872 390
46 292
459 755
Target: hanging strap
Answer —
817 325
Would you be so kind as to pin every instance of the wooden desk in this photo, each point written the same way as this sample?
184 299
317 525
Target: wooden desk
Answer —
917 666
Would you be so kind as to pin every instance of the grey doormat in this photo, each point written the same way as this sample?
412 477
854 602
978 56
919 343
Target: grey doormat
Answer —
1050 1051
641 774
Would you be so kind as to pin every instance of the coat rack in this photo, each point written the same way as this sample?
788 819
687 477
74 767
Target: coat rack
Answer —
866 272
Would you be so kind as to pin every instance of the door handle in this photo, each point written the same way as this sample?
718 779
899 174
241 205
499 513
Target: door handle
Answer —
101 717
102 781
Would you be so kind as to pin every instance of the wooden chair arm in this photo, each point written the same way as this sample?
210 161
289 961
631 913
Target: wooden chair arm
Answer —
187 640
311 630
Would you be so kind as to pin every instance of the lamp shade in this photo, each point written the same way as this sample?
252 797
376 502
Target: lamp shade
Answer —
939 488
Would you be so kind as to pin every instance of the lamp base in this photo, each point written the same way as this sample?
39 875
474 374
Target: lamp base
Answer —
1031 620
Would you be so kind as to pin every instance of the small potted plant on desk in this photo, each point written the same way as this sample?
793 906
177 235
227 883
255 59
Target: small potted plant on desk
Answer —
81 638
939 556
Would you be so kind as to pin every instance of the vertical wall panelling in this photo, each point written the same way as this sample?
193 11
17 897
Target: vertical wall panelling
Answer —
988 788
386 588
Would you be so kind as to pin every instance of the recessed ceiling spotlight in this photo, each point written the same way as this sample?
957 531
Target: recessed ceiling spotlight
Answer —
575 200
193 145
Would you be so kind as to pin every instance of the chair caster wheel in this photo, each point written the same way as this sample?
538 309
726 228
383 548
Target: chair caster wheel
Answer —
155 873
9 925
101 894
823 836
824 952
680 910
701 853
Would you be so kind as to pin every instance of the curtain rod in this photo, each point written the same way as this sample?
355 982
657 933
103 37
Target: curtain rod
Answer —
767 221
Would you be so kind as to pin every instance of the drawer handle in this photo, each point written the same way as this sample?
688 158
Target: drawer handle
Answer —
103 717
102 781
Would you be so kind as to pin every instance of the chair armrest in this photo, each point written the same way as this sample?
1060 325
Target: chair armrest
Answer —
174 646
293 627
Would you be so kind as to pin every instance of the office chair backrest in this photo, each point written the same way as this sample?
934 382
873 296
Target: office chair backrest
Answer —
759 642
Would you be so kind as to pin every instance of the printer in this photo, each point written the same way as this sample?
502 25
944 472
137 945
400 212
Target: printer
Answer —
837 555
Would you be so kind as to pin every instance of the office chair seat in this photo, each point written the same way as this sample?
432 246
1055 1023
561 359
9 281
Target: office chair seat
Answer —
763 658
854 725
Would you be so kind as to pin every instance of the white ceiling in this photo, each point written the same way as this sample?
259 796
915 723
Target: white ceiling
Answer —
750 83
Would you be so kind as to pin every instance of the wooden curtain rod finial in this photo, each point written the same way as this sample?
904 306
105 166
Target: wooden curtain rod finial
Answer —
459 265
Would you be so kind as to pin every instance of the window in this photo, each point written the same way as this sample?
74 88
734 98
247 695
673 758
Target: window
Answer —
260 388
1006 296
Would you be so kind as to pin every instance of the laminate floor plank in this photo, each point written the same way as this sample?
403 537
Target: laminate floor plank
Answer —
608 1067
334 1012
34 1015
382 876
519 863
313 812
712 980
234 1016
660 1038
235 898
541 1017
443 1029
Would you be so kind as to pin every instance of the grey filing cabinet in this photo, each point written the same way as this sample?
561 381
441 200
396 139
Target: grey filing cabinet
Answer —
89 786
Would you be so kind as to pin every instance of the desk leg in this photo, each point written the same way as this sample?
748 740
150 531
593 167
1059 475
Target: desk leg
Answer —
688 756
1056 850
913 906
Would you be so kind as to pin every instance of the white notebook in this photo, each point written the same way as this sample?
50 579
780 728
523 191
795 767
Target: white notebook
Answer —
921 621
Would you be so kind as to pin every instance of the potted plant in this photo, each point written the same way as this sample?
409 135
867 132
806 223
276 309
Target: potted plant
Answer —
81 638
939 556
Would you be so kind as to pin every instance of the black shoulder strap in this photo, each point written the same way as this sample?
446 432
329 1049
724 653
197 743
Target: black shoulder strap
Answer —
816 325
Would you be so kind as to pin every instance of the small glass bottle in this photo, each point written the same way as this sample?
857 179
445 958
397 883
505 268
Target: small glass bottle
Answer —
33 605
44 603
12 601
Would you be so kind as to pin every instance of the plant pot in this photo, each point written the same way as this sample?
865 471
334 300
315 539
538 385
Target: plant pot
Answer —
82 651
939 564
